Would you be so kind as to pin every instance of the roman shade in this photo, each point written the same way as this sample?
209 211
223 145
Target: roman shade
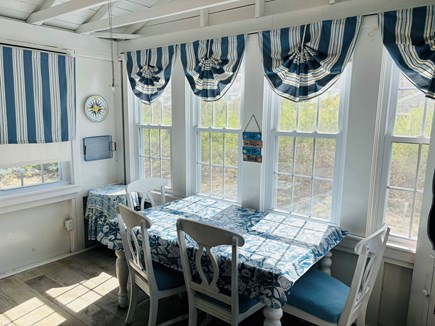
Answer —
37 96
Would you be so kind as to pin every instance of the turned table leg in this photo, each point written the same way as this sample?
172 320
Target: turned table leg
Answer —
272 316
325 263
122 275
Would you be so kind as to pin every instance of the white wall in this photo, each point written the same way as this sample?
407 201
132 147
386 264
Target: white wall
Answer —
36 235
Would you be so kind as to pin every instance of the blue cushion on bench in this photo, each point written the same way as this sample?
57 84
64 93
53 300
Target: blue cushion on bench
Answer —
320 295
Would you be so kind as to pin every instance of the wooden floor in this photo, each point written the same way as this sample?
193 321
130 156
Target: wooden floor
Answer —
82 290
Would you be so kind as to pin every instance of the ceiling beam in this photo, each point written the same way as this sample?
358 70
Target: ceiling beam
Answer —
46 4
157 12
100 14
39 17
116 36
259 8
134 28
203 17
103 11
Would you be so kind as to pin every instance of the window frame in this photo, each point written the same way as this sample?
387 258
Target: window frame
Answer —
195 139
271 110
141 128
60 180
388 105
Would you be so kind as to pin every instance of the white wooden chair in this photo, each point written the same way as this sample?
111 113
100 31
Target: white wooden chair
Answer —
323 300
206 296
144 187
156 280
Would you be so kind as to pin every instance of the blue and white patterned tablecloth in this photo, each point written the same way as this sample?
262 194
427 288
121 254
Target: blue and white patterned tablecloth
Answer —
101 207
278 249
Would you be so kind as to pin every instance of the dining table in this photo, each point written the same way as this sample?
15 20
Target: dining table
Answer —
278 248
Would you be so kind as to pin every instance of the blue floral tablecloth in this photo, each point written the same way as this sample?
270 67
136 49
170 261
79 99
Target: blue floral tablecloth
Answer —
101 207
278 249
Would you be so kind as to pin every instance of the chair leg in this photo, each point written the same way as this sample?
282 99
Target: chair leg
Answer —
154 308
361 320
132 304
193 315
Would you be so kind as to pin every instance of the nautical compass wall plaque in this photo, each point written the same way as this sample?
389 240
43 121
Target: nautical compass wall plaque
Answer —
96 108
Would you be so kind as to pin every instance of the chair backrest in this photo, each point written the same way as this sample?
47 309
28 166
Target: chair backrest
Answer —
370 252
144 187
208 236
138 254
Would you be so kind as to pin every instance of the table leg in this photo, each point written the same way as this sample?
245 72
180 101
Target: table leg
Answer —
272 316
122 275
325 263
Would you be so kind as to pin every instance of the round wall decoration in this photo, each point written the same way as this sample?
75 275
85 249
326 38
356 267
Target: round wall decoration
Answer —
96 108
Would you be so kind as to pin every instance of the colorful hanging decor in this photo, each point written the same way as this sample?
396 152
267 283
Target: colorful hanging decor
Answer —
252 143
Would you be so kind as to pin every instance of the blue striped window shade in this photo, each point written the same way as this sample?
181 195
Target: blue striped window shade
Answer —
37 96
302 62
409 37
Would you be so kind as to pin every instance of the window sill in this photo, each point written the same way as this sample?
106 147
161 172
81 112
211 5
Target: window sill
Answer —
29 199
396 253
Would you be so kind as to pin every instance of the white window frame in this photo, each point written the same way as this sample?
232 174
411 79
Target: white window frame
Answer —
194 103
388 104
140 129
271 106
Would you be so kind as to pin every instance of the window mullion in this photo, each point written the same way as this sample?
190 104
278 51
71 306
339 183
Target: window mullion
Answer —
423 126
223 164
414 194
312 176
160 151
210 139
150 162
293 175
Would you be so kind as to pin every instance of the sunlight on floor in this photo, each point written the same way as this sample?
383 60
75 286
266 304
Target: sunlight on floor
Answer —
31 312
79 296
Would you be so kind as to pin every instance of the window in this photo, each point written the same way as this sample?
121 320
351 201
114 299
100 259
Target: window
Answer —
406 145
305 141
30 175
155 126
218 135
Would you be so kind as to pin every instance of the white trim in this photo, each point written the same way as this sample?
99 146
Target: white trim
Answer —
394 253
41 263
31 199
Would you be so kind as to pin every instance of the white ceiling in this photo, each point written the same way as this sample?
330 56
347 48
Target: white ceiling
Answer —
137 20
92 17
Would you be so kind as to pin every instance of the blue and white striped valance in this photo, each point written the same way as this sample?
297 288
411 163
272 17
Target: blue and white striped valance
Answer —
409 36
37 96
302 62
149 71
210 66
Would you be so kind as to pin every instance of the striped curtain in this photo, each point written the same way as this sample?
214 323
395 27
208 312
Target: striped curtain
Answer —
211 66
37 96
409 36
302 62
149 71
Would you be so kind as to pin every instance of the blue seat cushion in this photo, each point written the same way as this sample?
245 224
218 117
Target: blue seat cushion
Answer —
320 295
167 278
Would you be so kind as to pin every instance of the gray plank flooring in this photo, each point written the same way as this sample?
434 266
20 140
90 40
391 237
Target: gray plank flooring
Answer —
82 290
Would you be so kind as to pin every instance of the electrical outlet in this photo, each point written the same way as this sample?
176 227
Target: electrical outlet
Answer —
69 224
